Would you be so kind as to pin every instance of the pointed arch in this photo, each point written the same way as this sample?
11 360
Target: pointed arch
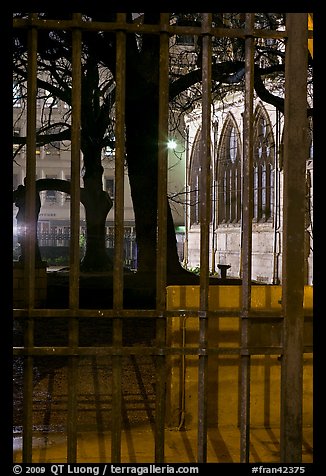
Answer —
263 166
194 179
229 173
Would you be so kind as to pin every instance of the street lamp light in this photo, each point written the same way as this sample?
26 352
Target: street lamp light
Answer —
172 144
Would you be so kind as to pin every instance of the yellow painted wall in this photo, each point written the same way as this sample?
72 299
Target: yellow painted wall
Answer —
223 402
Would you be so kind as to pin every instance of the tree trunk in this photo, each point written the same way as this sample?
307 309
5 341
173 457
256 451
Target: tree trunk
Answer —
142 157
97 205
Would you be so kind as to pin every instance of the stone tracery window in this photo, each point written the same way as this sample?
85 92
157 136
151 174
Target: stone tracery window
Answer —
194 180
263 167
229 174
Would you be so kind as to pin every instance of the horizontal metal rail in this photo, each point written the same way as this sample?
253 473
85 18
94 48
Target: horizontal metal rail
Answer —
141 28
146 313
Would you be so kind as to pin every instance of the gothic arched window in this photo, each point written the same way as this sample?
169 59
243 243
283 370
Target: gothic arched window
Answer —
194 180
263 167
229 174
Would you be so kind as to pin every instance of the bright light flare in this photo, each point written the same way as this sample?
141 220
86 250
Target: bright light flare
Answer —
172 144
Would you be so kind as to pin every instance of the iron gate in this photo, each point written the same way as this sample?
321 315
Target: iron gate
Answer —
290 342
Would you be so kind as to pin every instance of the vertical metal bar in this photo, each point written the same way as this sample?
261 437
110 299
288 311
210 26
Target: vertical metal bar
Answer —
74 243
247 206
30 239
187 189
276 206
119 164
118 239
30 217
295 153
205 214
75 167
161 255
162 161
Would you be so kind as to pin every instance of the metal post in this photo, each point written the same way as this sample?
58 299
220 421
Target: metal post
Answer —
74 243
205 213
161 258
118 240
295 154
247 204
30 238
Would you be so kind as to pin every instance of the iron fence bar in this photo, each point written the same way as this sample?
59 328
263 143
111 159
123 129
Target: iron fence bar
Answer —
119 166
295 153
74 244
142 28
118 242
162 164
147 313
161 254
75 170
30 212
205 213
125 350
94 313
246 251
29 240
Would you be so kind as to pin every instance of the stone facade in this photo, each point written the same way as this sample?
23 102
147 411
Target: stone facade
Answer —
225 236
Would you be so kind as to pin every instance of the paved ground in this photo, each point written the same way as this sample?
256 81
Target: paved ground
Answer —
138 409
180 446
